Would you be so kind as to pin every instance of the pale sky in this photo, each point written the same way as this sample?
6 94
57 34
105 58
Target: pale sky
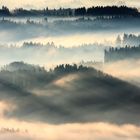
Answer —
64 3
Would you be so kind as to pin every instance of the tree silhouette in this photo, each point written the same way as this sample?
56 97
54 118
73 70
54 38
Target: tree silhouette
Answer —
4 11
101 11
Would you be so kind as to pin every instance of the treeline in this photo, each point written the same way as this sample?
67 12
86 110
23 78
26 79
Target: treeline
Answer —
26 76
82 11
117 54
36 53
4 11
131 39
128 40
59 69
112 10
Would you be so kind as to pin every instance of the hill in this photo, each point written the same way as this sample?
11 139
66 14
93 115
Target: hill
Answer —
71 93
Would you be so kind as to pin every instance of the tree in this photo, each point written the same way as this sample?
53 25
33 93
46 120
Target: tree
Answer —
80 11
4 11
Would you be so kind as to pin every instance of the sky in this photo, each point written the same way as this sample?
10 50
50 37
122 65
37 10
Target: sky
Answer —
64 3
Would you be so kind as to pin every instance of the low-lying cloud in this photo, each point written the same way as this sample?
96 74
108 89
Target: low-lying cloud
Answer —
96 131
128 70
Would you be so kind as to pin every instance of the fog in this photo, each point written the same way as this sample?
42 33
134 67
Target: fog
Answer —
91 34
128 70
49 55
80 31
69 78
98 131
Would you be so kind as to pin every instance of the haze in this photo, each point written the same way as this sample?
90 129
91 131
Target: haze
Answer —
65 3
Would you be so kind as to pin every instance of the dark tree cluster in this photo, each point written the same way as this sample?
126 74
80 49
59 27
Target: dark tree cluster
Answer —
112 10
67 68
4 11
82 11
117 54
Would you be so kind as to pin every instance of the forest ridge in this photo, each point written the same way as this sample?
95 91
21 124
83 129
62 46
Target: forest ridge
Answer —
81 11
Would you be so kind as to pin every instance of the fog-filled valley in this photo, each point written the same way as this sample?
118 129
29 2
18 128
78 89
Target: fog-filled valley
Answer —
81 30
68 74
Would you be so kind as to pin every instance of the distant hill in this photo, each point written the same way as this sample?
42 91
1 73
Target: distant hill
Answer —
16 66
81 11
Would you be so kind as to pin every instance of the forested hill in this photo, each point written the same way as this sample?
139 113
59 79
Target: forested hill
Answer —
82 11
69 94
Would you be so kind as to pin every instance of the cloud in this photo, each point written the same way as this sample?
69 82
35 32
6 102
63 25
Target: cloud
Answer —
63 3
83 131
127 70
65 81
43 131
